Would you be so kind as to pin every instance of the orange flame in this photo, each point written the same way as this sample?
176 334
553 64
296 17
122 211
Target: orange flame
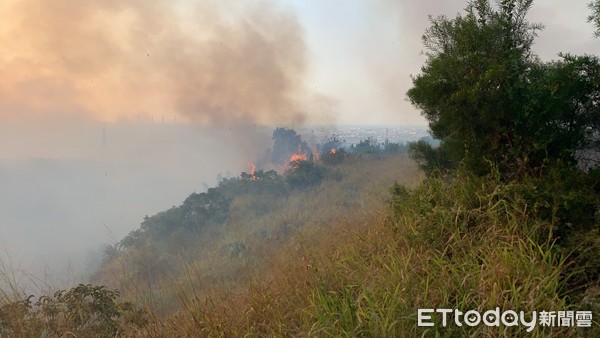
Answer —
299 156
332 151
252 171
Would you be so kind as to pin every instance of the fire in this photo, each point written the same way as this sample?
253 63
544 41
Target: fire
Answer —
299 156
252 171
332 151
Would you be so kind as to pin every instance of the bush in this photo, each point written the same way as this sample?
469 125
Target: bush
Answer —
428 158
83 311
304 174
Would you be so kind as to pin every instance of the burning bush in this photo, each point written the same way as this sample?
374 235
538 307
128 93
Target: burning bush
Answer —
288 146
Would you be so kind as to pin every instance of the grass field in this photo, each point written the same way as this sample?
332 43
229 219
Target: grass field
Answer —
356 255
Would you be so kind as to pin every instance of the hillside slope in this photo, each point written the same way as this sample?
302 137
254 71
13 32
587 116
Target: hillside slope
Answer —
351 249
221 237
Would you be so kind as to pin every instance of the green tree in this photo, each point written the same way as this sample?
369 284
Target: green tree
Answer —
393 147
366 146
561 115
83 311
493 103
470 86
594 18
495 106
304 174
429 158
197 211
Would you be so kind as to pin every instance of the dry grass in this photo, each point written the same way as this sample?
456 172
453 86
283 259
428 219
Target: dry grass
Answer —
447 247
337 260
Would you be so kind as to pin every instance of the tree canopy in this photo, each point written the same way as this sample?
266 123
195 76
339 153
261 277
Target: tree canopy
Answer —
493 103
594 18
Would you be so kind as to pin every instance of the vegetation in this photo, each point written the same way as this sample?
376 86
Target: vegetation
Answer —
594 18
494 104
507 215
85 310
498 109
433 251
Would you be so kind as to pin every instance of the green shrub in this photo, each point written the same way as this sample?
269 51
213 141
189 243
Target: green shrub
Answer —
83 311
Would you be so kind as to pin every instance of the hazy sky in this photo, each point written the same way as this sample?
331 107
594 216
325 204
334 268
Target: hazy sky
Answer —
232 62
363 53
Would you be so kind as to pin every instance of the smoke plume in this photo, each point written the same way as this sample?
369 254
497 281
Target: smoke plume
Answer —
213 62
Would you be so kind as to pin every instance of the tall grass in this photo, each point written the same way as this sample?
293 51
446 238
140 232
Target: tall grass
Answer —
348 259
448 246
462 243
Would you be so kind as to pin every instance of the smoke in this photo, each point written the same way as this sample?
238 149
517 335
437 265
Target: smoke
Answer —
85 87
395 30
212 62
397 27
